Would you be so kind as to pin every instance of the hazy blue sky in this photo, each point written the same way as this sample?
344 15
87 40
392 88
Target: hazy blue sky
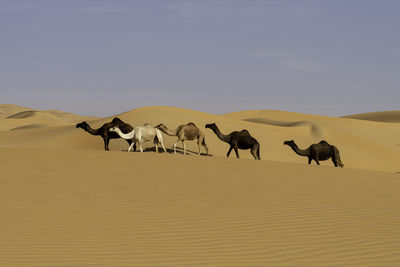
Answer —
95 57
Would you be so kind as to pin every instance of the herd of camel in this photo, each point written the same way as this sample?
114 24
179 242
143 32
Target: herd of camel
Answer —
236 140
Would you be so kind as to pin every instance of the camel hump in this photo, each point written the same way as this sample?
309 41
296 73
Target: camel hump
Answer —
324 142
245 131
147 124
191 123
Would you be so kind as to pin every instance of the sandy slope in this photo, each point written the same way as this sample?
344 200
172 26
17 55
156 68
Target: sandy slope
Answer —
94 208
66 202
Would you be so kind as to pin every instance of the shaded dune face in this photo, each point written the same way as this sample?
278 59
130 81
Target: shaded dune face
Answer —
23 115
315 130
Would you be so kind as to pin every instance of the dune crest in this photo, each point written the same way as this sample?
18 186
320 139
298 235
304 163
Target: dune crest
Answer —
381 116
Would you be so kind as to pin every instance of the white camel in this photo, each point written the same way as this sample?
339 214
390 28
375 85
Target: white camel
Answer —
141 134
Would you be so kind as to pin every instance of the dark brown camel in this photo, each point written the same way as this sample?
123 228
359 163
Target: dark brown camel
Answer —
317 152
238 140
104 132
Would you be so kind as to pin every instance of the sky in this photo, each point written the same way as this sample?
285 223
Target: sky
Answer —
104 57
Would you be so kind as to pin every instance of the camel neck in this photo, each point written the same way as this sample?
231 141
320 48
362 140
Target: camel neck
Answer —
125 136
91 130
300 152
168 131
222 137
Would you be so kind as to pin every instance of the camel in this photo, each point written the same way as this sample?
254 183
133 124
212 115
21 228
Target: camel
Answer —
185 132
104 133
238 140
141 134
317 152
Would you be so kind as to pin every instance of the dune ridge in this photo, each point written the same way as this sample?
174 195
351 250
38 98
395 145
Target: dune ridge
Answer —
381 116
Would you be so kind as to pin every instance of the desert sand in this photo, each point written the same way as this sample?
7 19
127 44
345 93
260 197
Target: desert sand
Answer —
67 202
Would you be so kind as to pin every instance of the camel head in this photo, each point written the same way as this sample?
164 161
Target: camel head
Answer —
82 125
161 126
289 143
211 125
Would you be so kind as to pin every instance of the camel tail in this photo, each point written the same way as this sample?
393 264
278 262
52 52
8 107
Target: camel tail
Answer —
159 137
337 158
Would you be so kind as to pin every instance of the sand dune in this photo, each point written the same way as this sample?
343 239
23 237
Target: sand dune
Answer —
95 208
382 116
14 117
64 201
7 110
362 144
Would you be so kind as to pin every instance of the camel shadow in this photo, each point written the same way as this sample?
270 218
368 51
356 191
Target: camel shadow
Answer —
169 151
153 149
188 152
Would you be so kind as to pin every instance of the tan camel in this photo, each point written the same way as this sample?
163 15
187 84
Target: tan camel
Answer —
185 132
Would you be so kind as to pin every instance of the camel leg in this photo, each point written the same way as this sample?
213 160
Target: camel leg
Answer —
236 151
184 147
334 161
130 147
175 145
131 143
254 153
309 160
140 146
205 146
106 142
316 158
198 144
155 141
229 151
162 144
